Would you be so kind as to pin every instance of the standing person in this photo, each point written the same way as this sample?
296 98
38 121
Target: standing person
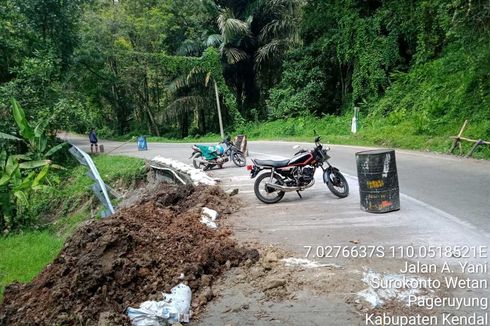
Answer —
92 136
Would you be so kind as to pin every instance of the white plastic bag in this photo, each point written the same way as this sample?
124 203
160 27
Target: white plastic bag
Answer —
208 216
174 308
211 213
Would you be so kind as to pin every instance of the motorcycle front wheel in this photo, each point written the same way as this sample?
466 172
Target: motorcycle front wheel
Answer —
336 183
239 159
267 194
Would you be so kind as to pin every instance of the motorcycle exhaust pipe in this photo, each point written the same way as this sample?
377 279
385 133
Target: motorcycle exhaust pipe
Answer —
289 189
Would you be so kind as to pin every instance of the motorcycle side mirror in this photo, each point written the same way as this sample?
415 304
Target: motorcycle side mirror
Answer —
296 147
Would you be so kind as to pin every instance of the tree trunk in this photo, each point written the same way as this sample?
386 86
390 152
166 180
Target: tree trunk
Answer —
345 80
146 98
184 126
152 121
122 112
201 121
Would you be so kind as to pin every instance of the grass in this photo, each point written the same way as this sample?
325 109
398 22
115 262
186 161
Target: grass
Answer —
72 188
114 168
23 256
405 132
60 210
373 131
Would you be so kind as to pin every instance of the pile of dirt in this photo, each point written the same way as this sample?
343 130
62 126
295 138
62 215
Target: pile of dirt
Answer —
134 256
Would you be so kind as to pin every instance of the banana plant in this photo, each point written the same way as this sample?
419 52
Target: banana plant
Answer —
35 138
20 174
15 188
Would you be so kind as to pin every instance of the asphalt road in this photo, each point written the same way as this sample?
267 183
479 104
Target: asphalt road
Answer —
445 200
456 186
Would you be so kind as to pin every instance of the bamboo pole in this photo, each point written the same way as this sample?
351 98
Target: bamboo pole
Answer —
458 138
475 141
462 128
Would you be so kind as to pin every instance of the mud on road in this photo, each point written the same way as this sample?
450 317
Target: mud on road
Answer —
155 238
138 253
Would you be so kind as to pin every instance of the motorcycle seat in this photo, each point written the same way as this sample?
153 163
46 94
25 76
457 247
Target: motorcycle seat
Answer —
272 163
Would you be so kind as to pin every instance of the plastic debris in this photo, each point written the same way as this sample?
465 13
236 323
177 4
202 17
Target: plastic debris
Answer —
306 263
211 213
174 308
378 295
208 217
206 220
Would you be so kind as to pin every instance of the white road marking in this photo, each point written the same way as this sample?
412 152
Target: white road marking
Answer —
408 152
438 211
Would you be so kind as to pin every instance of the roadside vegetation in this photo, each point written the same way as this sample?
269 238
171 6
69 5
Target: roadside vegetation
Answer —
45 193
23 256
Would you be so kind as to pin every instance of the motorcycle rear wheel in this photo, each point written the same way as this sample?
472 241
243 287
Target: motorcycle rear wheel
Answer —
337 183
239 159
270 195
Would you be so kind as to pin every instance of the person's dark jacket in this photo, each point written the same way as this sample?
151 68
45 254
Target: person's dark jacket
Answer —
92 137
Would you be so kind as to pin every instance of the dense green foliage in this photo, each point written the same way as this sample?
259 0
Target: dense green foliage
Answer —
132 67
353 48
437 96
26 171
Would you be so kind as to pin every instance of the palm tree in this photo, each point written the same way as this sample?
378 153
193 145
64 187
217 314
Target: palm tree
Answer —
252 43
253 39
192 93
279 33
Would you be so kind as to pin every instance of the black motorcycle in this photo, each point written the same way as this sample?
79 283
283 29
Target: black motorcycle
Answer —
296 174
207 157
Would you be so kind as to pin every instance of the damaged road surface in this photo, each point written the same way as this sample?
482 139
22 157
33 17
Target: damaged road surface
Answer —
134 256
306 285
